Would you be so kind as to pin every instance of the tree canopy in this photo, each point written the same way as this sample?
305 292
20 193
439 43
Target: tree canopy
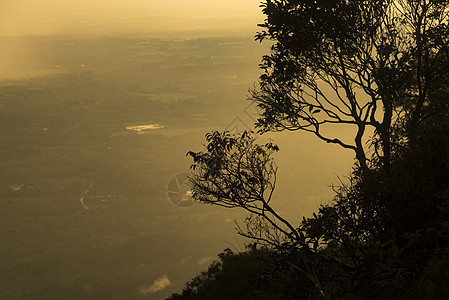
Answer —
360 64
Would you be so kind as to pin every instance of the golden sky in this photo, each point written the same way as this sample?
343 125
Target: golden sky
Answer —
25 17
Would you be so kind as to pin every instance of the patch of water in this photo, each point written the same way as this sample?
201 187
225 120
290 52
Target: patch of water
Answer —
142 129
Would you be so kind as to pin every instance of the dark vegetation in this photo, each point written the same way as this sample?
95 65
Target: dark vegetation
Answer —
381 68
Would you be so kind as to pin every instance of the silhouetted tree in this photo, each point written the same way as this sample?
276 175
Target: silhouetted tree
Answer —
380 68
359 64
237 172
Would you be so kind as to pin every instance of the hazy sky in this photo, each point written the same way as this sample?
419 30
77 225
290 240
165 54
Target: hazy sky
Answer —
23 17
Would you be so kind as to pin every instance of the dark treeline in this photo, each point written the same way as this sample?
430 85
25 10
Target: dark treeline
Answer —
381 69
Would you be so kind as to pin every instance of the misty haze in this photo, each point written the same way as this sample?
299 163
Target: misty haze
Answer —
99 104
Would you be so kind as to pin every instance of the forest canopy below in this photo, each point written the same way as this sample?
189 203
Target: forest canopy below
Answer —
377 67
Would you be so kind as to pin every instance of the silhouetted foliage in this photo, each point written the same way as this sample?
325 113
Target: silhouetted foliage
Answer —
365 64
237 172
234 276
360 64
